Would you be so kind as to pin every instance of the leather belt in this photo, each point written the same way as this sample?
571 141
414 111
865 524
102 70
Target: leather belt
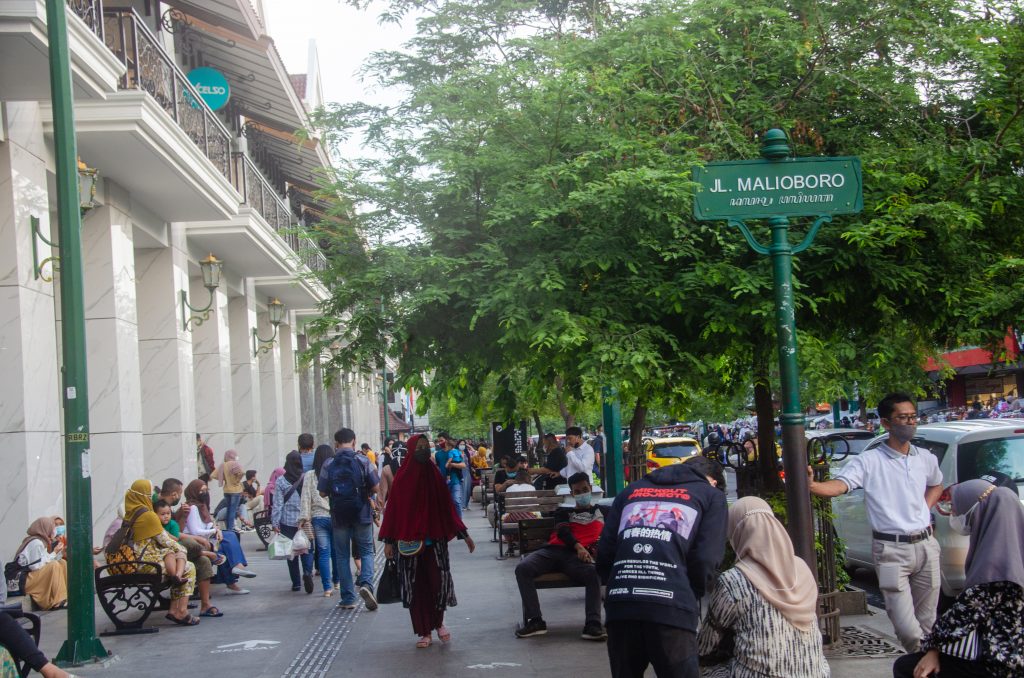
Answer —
903 538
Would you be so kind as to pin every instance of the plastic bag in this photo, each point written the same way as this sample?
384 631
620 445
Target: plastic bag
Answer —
300 544
280 547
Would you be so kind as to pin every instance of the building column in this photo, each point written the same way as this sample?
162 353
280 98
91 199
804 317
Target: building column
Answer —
309 414
245 383
211 370
31 450
112 345
165 361
292 421
272 412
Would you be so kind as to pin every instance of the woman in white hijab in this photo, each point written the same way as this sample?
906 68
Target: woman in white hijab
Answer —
762 620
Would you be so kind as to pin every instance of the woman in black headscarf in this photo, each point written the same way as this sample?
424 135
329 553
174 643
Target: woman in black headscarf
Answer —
980 635
285 518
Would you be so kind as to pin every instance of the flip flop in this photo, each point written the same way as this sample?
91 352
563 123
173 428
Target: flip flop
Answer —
444 634
211 612
189 620
221 559
422 643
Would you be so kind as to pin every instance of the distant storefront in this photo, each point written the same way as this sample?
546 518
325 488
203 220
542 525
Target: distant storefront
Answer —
981 376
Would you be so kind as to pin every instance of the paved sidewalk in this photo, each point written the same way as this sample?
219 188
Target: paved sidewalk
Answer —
273 632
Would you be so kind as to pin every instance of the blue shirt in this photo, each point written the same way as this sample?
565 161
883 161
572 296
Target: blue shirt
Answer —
370 474
442 458
307 460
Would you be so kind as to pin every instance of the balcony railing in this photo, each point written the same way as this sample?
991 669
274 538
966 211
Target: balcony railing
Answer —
151 69
91 12
259 195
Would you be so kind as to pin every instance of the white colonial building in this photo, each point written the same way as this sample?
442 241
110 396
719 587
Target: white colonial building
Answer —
176 182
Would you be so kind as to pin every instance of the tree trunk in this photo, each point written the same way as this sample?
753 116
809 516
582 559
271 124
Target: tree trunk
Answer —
767 468
636 430
540 427
567 416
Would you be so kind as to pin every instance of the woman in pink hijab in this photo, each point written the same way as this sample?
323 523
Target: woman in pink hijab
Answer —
268 491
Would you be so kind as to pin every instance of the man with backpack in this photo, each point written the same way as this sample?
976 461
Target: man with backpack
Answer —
350 482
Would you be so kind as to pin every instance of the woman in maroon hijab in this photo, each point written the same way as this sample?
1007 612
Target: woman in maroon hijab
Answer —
419 521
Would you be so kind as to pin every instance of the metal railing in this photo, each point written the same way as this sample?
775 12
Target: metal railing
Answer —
151 69
91 12
259 195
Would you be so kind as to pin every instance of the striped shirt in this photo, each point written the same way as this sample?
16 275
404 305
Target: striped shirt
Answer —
285 513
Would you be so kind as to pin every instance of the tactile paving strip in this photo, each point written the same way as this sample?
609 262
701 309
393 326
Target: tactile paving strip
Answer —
858 641
316 657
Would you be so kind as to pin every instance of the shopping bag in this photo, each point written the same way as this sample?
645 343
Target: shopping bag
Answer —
300 544
280 547
389 590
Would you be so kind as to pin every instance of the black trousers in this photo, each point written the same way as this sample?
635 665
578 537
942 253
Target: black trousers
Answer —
557 559
19 643
633 645
949 667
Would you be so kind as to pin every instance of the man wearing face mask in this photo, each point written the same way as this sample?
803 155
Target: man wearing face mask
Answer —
570 551
901 482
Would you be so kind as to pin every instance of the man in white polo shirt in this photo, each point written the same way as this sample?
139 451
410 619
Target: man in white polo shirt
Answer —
901 483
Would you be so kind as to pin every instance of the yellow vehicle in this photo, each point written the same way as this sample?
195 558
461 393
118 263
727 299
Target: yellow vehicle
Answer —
666 451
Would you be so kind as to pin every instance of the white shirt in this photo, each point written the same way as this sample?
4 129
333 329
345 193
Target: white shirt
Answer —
581 460
34 551
195 526
520 487
894 486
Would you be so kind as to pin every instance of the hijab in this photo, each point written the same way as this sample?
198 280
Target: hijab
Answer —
419 503
293 467
764 554
230 467
140 496
194 500
322 454
996 552
268 491
43 529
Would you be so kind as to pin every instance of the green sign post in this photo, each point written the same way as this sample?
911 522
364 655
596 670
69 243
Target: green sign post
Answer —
776 188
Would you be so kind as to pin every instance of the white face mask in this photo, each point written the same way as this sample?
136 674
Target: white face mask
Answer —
961 524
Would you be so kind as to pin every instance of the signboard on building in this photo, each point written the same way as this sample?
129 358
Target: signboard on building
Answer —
756 189
508 438
211 85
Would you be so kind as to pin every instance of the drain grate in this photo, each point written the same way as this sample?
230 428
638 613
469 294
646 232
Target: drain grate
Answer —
861 642
319 652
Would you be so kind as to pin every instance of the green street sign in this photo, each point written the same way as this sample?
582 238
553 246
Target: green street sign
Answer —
792 187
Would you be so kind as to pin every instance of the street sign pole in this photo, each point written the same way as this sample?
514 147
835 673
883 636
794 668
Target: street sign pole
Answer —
612 420
82 645
776 188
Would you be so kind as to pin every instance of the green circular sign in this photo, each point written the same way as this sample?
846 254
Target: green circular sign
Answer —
211 85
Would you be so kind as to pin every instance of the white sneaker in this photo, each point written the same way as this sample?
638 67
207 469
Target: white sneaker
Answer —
366 593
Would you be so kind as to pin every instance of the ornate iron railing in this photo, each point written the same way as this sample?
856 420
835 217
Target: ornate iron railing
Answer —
91 12
259 195
151 69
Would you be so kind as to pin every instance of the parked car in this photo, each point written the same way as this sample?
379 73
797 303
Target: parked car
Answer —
666 451
965 450
837 443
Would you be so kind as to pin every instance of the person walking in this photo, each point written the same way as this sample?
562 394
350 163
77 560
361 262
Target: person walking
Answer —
901 482
762 616
419 521
661 545
350 482
230 475
316 511
451 462
285 518
979 636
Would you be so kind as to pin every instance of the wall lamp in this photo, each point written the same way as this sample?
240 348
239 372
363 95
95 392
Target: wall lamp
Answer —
211 268
88 177
275 310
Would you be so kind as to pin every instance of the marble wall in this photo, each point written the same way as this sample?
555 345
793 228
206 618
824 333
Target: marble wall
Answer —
211 354
245 383
275 445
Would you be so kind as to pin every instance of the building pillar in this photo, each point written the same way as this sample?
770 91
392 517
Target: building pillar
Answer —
291 422
211 369
32 483
165 361
245 383
271 411
112 345
309 414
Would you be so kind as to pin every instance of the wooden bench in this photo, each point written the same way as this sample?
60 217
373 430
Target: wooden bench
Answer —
543 502
128 599
533 535
30 622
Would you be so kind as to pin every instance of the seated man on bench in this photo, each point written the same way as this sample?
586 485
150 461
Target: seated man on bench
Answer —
571 552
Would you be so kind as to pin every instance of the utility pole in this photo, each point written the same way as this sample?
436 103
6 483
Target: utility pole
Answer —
82 645
612 420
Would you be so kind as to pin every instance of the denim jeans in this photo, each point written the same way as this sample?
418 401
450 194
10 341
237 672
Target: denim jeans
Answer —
467 486
324 550
233 501
343 536
456 491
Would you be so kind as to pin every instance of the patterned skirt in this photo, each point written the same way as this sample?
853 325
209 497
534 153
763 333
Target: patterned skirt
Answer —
427 587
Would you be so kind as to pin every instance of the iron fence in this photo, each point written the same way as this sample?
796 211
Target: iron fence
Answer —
91 12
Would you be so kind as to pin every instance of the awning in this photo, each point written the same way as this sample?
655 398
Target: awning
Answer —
395 423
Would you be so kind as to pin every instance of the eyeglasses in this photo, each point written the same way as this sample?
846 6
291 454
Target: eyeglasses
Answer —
904 418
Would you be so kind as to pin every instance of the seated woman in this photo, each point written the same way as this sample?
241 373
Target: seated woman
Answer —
42 554
195 521
149 541
761 620
980 635
16 644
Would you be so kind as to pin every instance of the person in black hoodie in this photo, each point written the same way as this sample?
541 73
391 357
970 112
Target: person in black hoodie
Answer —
662 542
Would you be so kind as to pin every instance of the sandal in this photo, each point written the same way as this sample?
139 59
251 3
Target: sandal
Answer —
211 612
188 620
221 559
423 642
444 634
328 593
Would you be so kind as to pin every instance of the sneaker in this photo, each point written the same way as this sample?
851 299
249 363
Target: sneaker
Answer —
307 582
593 631
347 606
534 627
296 588
366 593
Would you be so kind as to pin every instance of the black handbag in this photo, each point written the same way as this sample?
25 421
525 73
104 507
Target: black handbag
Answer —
15 576
389 590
